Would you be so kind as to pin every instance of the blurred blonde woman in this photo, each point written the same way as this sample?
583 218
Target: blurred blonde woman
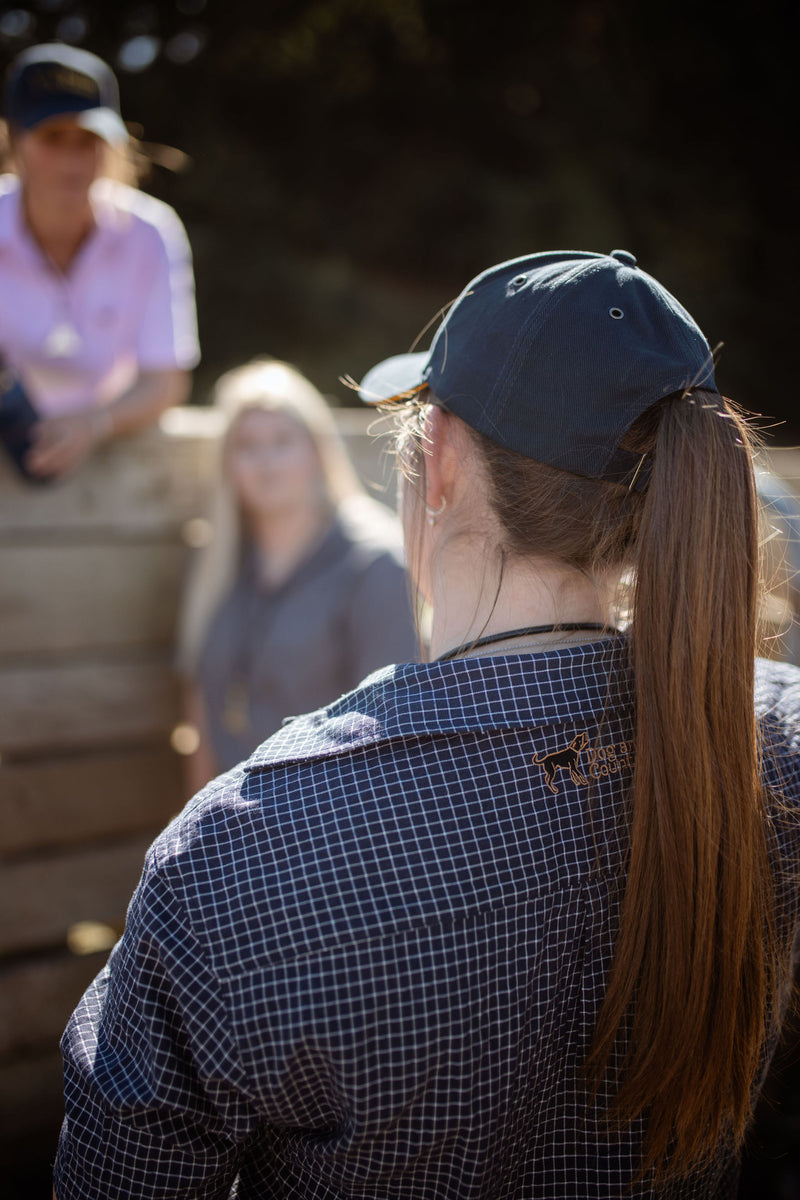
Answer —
301 590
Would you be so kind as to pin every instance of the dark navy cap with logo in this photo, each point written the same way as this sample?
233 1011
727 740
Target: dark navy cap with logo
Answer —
56 80
555 355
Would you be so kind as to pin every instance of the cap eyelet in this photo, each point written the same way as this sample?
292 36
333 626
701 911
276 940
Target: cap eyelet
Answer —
517 282
616 313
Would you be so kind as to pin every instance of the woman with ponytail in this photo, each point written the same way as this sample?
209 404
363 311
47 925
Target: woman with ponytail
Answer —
517 922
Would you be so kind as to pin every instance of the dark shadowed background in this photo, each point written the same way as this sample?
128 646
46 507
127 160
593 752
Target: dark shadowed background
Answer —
352 163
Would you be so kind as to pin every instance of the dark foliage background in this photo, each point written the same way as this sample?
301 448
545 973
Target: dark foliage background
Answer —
355 162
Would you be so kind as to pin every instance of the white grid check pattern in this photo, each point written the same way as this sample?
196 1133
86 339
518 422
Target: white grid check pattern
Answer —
367 964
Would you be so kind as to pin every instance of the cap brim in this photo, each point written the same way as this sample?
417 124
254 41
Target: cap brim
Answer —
104 122
393 378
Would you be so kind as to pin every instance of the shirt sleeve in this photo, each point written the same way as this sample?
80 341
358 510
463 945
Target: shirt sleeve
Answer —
152 1106
380 626
167 333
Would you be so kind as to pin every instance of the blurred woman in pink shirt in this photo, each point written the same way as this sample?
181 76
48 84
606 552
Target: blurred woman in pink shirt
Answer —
97 314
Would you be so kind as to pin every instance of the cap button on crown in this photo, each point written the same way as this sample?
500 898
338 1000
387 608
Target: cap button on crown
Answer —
624 256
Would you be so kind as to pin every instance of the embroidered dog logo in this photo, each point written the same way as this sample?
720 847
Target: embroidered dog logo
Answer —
567 759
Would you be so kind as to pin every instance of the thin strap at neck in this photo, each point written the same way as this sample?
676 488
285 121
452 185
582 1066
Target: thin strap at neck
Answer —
529 631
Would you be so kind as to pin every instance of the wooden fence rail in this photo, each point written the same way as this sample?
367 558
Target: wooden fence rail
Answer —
90 579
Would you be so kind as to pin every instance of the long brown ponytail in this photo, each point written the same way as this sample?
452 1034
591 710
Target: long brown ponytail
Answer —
696 979
695 966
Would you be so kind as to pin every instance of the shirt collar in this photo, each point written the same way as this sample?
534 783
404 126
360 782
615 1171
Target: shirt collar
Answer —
465 695
108 217
329 547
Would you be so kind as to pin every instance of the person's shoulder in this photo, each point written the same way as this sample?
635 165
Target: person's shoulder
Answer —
777 696
9 187
209 810
233 831
226 802
356 720
9 201
138 209
777 692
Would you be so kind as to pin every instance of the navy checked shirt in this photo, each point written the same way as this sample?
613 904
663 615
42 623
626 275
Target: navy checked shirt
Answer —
368 962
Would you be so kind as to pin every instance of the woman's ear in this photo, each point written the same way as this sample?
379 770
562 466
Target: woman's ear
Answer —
441 458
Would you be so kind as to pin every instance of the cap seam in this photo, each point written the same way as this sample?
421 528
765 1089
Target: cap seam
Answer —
542 312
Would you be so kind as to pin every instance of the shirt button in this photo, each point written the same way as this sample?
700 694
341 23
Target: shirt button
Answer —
624 256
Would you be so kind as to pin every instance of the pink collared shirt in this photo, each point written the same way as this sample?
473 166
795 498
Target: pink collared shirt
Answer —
125 305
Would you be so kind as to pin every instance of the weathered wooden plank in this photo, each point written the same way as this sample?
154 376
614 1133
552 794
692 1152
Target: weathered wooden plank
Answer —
37 997
153 481
778 628
781 560
41 898
65 801
76 705
370 455
64 598
31 1097
785 462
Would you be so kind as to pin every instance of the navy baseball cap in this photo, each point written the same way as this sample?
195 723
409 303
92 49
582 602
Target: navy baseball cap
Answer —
554 356
56 80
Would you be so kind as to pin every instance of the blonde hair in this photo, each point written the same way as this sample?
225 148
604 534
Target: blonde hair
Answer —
266 385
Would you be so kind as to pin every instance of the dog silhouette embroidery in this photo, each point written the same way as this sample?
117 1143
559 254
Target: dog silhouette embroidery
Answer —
567 759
